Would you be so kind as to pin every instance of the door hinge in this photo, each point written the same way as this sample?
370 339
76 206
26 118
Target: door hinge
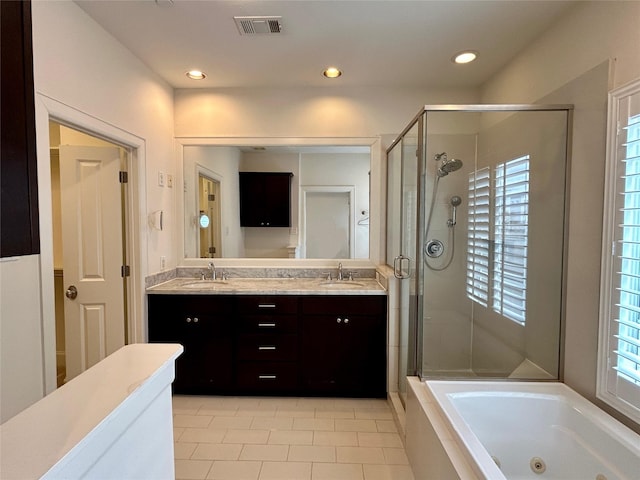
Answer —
212 249
124 177
212 197
125 271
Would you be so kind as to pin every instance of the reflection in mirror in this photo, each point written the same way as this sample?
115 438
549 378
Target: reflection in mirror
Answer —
209 216
329 202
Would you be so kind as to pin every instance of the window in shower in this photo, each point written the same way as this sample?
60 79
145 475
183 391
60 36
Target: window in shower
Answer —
478 234
511 225
619 352
497 239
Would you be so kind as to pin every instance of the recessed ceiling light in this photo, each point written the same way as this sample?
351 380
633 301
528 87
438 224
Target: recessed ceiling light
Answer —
196 75
465 57
332 72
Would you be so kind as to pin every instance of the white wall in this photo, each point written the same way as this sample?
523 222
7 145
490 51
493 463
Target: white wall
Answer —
304 112
224 163
577 46
82 70
346 169
21 370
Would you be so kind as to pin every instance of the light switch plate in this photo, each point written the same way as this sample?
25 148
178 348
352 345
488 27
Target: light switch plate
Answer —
161 179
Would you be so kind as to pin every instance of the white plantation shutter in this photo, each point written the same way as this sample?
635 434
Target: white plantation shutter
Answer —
619 353
511 224
497 238
628 306
478 236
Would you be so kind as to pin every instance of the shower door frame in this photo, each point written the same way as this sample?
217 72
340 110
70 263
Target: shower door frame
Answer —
415 351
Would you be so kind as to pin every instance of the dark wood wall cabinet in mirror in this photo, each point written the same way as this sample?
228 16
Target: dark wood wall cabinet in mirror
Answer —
265 199
19 231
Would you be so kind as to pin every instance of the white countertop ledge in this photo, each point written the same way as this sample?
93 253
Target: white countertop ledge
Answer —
75 423
269 286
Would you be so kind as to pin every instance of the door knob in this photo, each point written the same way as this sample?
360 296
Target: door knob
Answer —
71 293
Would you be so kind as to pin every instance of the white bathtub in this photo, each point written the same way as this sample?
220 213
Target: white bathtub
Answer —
517 430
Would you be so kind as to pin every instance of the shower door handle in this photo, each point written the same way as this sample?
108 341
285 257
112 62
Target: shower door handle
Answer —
397 267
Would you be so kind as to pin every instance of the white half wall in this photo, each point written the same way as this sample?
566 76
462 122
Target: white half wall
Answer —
21 367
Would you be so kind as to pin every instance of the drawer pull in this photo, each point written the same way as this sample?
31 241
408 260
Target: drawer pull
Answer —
266 305
266 347
267 377
266 325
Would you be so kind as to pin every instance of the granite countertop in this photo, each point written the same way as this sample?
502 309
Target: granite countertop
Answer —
269 286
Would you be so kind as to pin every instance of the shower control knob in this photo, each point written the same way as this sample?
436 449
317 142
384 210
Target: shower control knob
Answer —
434 248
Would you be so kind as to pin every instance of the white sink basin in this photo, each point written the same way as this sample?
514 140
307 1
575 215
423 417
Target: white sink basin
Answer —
340 284
204 283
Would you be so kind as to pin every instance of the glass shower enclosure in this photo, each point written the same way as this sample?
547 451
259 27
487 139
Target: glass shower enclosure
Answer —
476 222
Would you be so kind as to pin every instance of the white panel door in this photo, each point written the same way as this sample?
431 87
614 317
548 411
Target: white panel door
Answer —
93 254
327 225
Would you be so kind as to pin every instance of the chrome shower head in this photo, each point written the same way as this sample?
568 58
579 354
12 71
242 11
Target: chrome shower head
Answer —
449 166
455 201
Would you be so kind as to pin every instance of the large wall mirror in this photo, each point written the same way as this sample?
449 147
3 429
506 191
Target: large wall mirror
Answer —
330 198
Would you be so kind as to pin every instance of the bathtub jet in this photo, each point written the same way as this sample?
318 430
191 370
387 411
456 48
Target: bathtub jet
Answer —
514 430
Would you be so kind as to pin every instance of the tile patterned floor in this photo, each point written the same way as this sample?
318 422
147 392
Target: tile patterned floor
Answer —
250 438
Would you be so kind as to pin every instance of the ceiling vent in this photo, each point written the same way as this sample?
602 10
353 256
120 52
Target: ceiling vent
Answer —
258 25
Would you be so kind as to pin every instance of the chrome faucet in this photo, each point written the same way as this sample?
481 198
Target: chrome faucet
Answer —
212 269
340 275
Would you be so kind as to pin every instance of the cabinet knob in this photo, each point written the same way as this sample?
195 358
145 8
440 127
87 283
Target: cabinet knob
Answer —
195 320
188 319
346 320
339 320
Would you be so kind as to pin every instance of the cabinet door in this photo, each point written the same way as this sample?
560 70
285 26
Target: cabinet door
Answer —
277 191
323 354
362 371
343 345
203 326
265 199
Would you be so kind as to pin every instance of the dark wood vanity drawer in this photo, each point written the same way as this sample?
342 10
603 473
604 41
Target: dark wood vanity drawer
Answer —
268 324
268 347
267 304
344 304
267 377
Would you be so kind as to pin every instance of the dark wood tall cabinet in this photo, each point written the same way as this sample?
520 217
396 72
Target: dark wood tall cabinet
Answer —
265 199
19 230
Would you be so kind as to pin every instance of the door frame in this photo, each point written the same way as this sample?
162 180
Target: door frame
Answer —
214 176
47 109
304 190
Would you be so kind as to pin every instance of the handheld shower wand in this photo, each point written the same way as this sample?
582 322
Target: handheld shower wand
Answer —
455 203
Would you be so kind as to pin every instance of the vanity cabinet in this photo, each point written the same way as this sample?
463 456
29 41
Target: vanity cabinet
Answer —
275 344
204 327
267 344
344 345
265 199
